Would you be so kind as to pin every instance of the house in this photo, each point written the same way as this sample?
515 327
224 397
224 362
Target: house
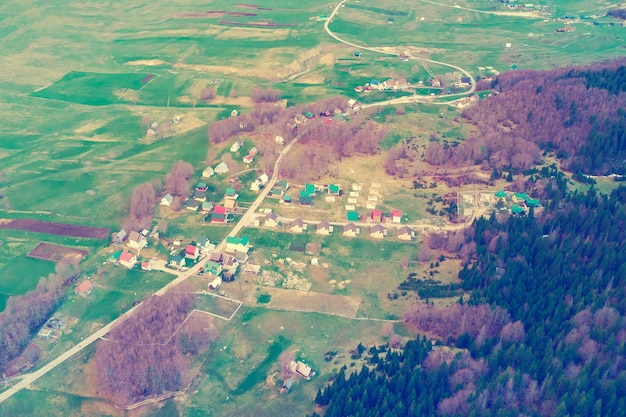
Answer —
191 205
234 113
309 189
248 159
221 168
353 216
229 204
208 172
350 230
231 193
287 199
287 384
237 244
216 257
520 197
405 233
44 334
167 200
253 151
83 288
177 262
377 231
305 200
351 102
302 369
218 218
270 220
335 190
215 284
276 192
199 195
119 237
207 206
230 265
297 226
219 210
324 228
259 182
396 216
466 81
280 140
202 186
390 20
128 260
532 203
517 210
500 195
136 240
376 216
192 252
204 244
236 146
284 185
213 267
145 266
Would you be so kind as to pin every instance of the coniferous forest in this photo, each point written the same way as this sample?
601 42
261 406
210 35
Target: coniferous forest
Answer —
544 330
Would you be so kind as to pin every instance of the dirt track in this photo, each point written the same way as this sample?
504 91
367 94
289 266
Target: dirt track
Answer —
52 228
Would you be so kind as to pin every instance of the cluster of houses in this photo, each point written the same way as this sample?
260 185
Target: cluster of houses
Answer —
520 201
296 369
222 266
198 202
251 153
189 255
390 84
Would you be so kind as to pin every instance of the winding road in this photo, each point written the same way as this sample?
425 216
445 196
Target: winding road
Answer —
400 100
28 379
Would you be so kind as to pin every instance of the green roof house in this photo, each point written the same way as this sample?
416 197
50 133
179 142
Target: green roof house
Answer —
353 216
517 209
500 194
334 189
230 192
310 189
237 244
532 203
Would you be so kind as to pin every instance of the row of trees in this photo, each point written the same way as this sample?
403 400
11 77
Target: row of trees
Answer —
24 315
149 353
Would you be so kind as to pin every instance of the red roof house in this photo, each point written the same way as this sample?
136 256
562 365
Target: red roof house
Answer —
128 260
377 216
83 288
219 210
192 252
396 216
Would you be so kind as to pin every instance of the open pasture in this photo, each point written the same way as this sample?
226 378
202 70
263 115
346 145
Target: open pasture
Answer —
55 253
55 228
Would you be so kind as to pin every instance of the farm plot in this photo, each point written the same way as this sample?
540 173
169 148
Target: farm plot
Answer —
216 305
52 228
55 253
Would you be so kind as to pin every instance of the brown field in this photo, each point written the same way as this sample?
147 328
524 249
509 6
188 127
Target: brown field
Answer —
52 228
55 253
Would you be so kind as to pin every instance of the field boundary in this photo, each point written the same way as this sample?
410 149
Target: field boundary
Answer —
55 253
232 300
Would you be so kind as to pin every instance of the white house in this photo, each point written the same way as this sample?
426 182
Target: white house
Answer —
136 240
221 168
167 200
128 260
207 172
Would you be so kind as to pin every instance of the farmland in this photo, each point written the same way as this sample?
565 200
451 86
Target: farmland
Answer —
84 82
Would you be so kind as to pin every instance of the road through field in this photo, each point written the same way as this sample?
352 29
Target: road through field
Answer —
401 100
32 377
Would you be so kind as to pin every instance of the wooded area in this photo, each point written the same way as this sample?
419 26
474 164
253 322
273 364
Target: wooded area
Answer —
577 113
150 353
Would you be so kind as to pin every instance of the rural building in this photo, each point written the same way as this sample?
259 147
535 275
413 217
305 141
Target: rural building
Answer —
221 168
270 220
207 206
376 216
234 113
500 195
287 199
83 288
353 216
136 240
305 200
231 193
44 334
177 262
215 284
466 81
128 260
302 369
396 216
377 231
237 244
259 182
335 190
219 210
191 205
213 267
323 228
309 189
218 218
280 140
350 230
253 151
276 192
145 266
517 210
229 204
284 185
297 226
192 252
405 233
202 186
208 172
230 265
119 237
248 159
167 200
204 244
236 146
199 195
287 384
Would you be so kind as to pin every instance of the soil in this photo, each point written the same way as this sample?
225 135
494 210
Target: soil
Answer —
52 228
55 253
